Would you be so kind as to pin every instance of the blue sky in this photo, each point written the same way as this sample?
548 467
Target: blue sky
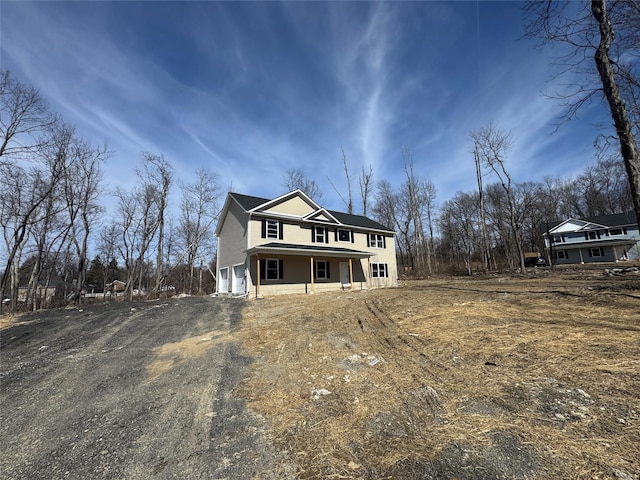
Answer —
251 89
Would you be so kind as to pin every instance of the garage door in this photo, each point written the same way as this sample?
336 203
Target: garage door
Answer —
237 283
223 281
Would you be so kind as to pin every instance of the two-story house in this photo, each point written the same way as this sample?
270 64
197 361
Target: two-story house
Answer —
607 238
290 244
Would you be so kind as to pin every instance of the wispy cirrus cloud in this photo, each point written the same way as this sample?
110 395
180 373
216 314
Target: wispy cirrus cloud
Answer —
250 90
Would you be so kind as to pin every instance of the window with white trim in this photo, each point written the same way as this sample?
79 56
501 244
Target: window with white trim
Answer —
596 252
379 270
591 235
560 254
615 231
321 234
376 240
558 238
271 269
322 271
345 235
272 228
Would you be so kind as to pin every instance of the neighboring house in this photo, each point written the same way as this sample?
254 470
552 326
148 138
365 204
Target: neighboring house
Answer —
291 244
47 292
115 287
607 238
43 292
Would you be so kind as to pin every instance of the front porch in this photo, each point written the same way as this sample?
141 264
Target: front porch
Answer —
284 268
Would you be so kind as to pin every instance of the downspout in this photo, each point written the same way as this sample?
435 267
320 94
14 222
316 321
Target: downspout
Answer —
217 267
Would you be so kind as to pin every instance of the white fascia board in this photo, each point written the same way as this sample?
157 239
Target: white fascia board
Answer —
281 198
286 216
592 226
320 211
569 225
223 213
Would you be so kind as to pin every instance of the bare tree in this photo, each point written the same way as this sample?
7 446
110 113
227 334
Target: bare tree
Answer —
138 220
82 180
459 228
295 179
486 258
389 211
24 115
24 190
606 36
492 145
348 202
200 211
156 175
428 196
348 177
364 180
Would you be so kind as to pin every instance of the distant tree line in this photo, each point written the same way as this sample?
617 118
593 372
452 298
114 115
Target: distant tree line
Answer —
490 228
52 198
52 212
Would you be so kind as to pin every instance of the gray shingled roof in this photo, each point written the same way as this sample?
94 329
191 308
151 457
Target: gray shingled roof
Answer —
248 202
614 220
315 248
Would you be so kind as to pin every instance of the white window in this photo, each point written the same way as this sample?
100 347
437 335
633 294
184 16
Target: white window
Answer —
562 254
321 234
558 238
376 240
596 252
344 235
591 235
322 270
615 231
379 270
273 227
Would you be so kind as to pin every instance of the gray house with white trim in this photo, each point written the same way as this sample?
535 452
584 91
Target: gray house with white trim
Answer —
606 238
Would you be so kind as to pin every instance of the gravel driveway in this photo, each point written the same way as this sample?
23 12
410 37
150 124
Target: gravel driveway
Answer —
130 391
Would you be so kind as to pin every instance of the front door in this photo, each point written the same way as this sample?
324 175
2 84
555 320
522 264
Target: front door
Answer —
344 274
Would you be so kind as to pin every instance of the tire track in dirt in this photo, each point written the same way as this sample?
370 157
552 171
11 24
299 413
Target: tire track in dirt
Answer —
401 347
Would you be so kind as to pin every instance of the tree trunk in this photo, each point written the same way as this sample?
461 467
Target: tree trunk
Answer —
628 147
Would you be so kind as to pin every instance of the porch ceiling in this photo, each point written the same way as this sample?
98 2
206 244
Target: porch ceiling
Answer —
307 250
595 243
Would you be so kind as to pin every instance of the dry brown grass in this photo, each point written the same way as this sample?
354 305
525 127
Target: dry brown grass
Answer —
489 377
10 319
169 355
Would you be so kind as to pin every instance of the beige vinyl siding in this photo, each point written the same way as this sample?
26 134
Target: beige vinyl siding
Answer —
232 240
291 233
384 255
294 206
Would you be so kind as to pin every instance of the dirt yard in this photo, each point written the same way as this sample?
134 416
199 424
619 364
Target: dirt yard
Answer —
529 376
